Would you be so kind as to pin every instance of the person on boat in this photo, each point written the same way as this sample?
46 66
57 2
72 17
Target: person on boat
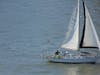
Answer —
57 54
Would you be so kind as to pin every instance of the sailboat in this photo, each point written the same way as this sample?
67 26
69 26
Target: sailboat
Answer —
85 39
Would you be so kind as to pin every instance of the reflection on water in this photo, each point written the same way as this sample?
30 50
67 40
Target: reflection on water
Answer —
74 69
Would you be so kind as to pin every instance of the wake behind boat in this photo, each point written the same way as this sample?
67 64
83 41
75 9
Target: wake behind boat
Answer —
76 41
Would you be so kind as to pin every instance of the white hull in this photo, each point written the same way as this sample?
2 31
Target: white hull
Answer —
74 60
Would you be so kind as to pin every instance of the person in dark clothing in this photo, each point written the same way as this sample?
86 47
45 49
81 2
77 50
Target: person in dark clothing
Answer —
57 52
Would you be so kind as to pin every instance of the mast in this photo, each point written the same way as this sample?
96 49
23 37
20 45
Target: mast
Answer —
83 24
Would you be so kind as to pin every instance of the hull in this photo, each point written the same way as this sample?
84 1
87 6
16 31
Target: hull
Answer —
71 57
91 60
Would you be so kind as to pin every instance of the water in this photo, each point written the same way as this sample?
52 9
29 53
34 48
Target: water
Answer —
28 28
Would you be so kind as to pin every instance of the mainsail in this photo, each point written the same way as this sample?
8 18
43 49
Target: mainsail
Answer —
90 39
89 36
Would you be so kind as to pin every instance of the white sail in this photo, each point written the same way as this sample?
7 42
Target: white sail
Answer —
73 42
90 37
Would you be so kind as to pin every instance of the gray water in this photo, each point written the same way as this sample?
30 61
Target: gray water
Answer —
30 28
